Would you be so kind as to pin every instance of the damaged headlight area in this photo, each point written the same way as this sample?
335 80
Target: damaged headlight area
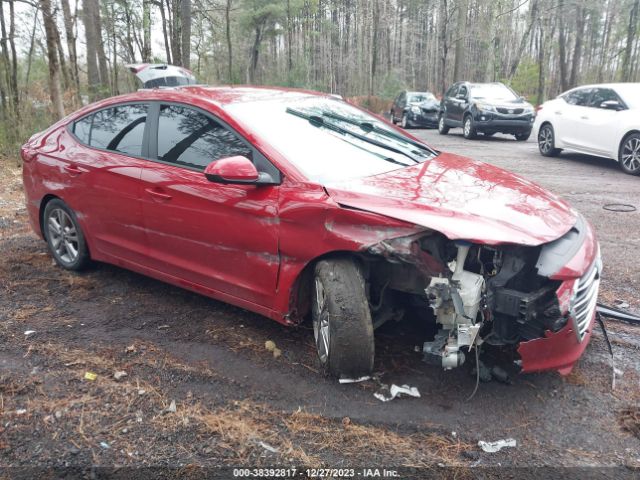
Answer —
473 294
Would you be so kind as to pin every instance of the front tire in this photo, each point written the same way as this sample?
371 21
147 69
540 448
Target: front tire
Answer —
522 137
342 325
64 236
442 127
629 154
405 121
468 129
547 142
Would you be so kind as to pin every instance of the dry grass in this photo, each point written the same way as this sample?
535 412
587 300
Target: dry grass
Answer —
630 420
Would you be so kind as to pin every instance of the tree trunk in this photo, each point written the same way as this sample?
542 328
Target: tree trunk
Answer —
185 24
55 90
146 31
631 34
577 51
167 44
102 57
71 46
93 74
255 53
229 49
460 37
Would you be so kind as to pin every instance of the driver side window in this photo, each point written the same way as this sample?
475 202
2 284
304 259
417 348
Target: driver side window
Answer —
189 138
462 92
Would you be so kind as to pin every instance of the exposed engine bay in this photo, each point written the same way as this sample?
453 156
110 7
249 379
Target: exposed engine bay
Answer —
477 294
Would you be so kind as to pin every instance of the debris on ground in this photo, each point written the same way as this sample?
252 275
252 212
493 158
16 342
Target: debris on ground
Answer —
119 375
630 420
90 376
492 447
270 345
268 447
276 352
394 391
29 332
105 445
171 408
354 380
21 411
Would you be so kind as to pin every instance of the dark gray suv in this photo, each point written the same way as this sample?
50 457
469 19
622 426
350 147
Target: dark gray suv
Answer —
485 108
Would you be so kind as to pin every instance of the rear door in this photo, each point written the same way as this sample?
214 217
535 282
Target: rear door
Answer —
106 163
221 237
459 103
449 104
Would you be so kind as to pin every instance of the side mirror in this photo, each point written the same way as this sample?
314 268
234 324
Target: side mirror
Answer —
232 170
611 105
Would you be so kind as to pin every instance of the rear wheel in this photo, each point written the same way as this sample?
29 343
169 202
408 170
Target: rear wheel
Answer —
547 141
442 127
468 129
523 137
64 236
342 325
629 154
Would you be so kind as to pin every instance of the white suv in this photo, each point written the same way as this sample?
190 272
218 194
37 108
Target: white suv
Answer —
602 120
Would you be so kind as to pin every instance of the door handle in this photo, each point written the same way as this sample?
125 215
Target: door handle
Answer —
159 195
558 112
584 117
73 170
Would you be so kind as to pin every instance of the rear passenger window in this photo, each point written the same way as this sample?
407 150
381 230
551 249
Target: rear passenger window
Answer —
120 129
82 129
190 138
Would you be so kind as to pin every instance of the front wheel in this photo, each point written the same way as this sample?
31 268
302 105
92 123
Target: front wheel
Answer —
629 154
64 236
405 121
442 127
547 141
468 129
342 325
523 137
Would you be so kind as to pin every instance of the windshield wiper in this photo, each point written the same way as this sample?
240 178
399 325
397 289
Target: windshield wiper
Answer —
369 127
318 121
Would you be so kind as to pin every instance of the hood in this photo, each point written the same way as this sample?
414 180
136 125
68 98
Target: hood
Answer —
463 199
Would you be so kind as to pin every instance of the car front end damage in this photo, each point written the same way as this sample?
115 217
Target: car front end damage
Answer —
536 303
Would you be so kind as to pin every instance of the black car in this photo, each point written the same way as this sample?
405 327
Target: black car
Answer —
415 109
485 108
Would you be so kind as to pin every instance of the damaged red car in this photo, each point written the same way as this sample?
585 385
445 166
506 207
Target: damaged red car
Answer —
298 205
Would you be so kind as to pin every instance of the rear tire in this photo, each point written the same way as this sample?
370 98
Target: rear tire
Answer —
468 129
547 141
629 154
442 127
342 325
64 236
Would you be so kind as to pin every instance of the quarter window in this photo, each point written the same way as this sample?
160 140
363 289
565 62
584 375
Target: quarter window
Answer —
190 138
82 129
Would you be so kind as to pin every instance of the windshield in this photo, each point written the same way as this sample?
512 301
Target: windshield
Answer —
492 91
328 139
420 97
630 93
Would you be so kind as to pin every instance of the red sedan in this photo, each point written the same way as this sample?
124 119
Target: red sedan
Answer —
295 204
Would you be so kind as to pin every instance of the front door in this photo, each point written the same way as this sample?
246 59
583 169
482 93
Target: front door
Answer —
221 237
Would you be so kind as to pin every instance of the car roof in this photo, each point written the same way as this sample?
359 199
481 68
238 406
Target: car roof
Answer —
607 85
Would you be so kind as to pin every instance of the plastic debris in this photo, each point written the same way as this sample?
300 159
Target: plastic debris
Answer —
276 352
171 408
396 390
163 327
29 332
270 345
90 376
268 447
119 375
492 447
354 380
105 445
21 411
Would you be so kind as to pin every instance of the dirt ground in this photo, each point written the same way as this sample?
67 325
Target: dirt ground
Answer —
201 389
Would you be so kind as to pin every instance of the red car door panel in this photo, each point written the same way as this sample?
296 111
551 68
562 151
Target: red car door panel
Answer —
220 236
223 237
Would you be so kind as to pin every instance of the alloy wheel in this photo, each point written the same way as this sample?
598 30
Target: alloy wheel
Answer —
63 235
321 322
631 154
545 140
467 127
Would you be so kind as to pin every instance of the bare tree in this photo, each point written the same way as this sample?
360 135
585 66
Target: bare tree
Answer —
55 90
